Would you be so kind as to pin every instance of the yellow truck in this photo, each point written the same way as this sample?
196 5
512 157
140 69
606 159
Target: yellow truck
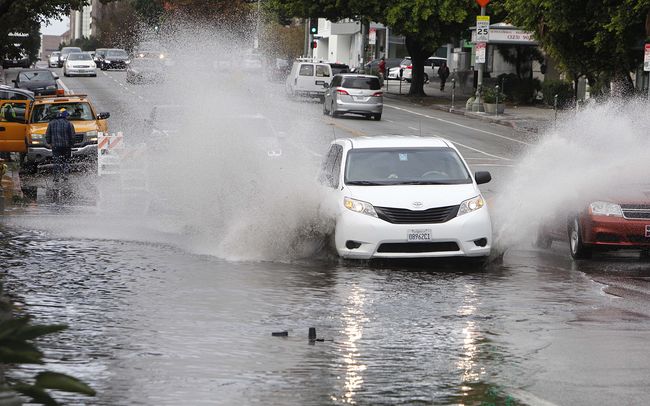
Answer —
24 119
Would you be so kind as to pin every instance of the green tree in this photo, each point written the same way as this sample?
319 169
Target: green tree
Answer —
586 37
425 24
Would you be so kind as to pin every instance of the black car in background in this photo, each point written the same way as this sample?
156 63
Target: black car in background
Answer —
114 59
339 68
40 81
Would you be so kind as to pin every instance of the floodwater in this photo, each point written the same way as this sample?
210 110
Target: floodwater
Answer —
151 324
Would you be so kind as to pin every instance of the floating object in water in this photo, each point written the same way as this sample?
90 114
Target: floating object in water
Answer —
280 334
312 333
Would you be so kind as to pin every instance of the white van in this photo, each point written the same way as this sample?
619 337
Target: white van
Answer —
307 78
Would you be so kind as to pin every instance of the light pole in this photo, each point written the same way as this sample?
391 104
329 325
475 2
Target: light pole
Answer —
256 43
478 103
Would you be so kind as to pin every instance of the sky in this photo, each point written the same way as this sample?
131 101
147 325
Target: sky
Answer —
55 27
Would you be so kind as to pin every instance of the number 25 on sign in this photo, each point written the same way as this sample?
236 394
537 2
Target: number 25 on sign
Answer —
482 28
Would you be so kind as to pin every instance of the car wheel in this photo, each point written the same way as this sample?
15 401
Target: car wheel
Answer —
378 117
426 78
578 249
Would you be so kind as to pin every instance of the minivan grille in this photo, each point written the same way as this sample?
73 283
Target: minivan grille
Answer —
406 216
636 211
416 247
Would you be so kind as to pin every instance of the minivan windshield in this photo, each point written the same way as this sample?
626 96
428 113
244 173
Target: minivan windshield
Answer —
371 83
405 166
37 75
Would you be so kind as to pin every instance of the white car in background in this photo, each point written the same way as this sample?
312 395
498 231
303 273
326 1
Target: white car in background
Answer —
405 197
79 64
53 60
430 69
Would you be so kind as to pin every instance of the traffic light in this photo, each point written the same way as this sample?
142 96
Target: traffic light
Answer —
313 26
314 44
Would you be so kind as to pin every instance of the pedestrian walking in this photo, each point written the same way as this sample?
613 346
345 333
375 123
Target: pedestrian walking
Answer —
382 68
443 73
60 137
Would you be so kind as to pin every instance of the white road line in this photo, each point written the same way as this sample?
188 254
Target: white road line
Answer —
458 124
494 165
480 152
482 159
387 120
414 129
65 88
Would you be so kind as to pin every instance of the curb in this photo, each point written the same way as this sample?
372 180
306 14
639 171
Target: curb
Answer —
478 116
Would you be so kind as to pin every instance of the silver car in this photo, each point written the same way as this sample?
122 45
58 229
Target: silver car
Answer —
352 93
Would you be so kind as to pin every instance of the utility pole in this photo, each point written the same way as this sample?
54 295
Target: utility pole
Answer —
478 103
256 42
306 48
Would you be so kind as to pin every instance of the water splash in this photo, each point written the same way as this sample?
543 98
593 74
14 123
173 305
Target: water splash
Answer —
591 155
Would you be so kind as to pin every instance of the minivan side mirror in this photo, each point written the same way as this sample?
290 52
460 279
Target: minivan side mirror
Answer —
482 177
103 116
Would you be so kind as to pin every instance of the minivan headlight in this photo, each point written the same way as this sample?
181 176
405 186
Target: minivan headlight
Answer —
606 209
471 205
359 206
91 135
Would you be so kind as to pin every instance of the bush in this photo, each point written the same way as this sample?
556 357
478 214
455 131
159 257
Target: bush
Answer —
490 95
521 91
563 90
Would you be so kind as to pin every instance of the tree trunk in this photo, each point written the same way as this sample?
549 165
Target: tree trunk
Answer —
418 57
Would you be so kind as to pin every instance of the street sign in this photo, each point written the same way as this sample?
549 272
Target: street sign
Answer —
646 58
482 28
372 36
482 3
480 52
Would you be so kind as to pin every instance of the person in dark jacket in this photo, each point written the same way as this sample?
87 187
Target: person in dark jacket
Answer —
443 73
60 137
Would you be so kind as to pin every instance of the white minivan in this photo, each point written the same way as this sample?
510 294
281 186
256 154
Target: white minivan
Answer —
307 78
404 197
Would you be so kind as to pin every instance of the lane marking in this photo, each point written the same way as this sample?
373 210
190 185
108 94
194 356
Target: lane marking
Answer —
414 129
481 152
66 89
458 124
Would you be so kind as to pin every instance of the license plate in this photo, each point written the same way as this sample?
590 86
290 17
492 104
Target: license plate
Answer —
320 83
419 235
647 231
359 98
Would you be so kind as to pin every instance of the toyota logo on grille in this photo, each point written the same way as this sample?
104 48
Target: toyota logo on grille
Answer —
417 205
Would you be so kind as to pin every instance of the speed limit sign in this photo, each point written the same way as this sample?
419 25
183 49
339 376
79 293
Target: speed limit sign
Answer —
482 28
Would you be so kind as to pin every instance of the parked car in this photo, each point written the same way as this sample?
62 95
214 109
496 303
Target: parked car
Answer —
307 78
352 93
40 81
19 61
430 69
53 59
114 59
404 197
618 221
79 64
65 51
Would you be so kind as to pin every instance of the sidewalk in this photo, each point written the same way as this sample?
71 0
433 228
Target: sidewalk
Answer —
523 118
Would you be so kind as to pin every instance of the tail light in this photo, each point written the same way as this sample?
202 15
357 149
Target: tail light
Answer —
341 91
409 67
377 94
60 92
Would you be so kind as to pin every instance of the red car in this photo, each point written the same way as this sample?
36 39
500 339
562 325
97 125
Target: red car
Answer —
611 224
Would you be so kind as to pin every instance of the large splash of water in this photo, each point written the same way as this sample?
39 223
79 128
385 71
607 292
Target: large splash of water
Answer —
592 155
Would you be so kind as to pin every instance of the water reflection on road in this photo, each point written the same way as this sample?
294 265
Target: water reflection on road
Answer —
150 324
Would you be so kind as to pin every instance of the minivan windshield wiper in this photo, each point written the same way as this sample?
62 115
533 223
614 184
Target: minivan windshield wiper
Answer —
423 182
364 183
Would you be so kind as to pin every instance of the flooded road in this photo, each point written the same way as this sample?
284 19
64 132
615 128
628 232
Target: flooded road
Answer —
153 324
